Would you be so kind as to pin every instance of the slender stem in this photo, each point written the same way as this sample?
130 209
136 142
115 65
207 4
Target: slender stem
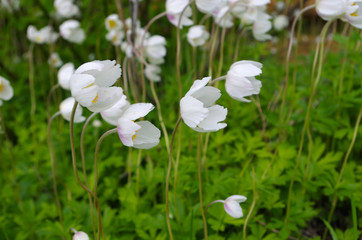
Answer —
139 159
31 81
74 160
125 80
168 179
85 171
200 184
52 90
54 173
335 199
100 227
306 120
212 82
252 205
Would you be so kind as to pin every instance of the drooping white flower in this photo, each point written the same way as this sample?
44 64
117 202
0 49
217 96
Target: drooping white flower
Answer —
44 35
260 29
55 60
240 80
113 23
207 6
115 37
155 49
330 9
66 108
90 85
64 75
142 134
232 205
71 31
197 35
174 9
198 110
112 114
223 17
66 8
80 236
152 72
280 22
6 91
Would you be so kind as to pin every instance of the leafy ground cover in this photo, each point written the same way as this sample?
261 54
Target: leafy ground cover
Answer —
295 153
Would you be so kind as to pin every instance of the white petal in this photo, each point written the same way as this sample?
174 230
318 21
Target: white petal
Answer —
148 136
137 110
80 236
233 209
237 198
192 111
106 98
207 95
197 85
82 88
6 91
64 75
127 130
211 123
112 114
66 108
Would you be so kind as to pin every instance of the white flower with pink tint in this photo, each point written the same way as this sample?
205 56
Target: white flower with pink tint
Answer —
232 205
174 9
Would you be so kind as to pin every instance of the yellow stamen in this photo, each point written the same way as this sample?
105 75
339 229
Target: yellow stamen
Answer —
355 13
133 137
112 24
95 99
89 85
1 85
38 38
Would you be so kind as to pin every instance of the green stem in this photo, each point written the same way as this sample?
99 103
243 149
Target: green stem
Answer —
168 179
96 201
54 172
306 120
252 205
200 184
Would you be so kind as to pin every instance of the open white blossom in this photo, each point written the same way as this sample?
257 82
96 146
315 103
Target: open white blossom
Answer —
90 85
44 35
155 49
198 110
240 80
66 8
232 205
6 91
115 37
71 31
64 75
223 17
207 6
174 9
197 35
113 23
152 72
10 5
55 60
66 108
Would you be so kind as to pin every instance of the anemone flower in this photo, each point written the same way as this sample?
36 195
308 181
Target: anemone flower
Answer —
91 85
66 108
198 110
71 31
197 35
232 205
6 91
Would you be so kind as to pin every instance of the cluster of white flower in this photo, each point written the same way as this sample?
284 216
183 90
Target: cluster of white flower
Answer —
152 47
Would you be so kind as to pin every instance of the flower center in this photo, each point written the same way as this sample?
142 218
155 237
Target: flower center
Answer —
133 137
38 38
355 13
1 85
112 24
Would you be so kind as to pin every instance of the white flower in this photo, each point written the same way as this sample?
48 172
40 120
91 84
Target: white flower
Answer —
198 110
240 80
66 108
152 72
232 205
207 6
80 236
90 85
66 8
71 31
223 17
260 29
354 13
113 23
174 9
155 49
330 9
6 91
55 60
10 5
197 35
115 37
64 75
112 114
44 35
280 22
143 134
